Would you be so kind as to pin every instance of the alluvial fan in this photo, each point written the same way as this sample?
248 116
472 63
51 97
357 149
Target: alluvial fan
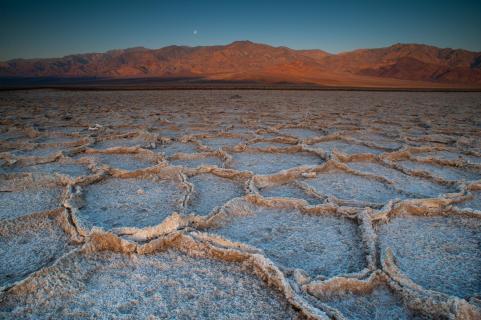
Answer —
162 204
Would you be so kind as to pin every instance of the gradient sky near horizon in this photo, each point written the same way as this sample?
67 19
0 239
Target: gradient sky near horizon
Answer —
44 28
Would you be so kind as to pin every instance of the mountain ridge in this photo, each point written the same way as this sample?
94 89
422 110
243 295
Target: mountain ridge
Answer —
399 65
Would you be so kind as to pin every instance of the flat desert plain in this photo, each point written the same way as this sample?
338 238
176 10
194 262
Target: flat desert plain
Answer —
220 204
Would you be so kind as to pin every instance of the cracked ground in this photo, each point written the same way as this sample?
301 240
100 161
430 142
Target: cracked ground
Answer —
240 205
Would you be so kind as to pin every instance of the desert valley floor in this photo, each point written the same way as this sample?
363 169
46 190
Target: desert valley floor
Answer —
240 205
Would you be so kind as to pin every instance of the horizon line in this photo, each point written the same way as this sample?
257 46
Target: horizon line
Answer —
236 41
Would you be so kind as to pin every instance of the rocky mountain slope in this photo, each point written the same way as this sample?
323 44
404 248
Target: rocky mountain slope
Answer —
400 65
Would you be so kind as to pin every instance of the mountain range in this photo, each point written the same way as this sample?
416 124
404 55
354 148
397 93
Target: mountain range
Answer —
396 66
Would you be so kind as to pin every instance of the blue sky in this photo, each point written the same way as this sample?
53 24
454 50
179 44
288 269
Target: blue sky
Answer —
46 28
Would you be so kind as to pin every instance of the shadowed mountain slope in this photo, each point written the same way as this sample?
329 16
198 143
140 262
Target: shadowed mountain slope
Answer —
400 65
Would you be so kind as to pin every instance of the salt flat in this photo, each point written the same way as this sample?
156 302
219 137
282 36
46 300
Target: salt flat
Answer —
240 204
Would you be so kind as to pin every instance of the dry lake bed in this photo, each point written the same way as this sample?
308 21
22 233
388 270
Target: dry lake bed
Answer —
240 205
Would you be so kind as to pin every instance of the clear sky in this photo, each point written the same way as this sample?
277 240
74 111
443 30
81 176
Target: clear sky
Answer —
44 28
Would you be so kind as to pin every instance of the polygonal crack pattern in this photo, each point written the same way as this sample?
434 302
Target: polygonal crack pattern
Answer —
23 195
197 161
69 168
442 253
443 172
211 191
300 133
473 203
172 148
413 186
291 190
30 243
270 163
259 204
129 162
320 245
348 148
374 304
114 202
449 156
219 142
163 285
348 186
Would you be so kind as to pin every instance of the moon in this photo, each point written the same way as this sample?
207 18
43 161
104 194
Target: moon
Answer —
194 32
